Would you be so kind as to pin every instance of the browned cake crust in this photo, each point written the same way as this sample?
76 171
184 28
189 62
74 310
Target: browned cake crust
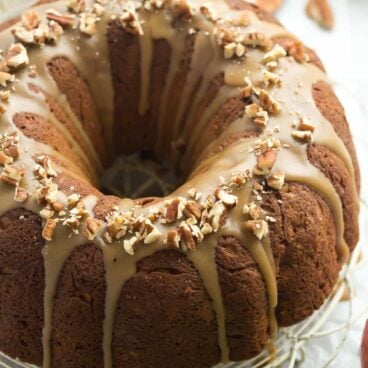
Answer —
164 316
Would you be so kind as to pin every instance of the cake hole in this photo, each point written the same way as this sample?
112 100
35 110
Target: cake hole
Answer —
139 175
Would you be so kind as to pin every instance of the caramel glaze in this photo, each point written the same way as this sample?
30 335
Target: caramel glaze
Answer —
90 56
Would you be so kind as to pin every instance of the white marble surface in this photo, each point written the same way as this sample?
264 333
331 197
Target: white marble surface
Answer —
344 52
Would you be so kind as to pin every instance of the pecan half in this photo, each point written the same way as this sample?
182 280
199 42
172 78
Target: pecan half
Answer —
321 12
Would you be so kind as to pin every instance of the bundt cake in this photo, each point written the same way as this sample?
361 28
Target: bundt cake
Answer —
253 239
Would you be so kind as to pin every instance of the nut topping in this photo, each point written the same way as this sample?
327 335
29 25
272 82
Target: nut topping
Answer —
259 116
98 10
297 50
208 12
269 5
6 78
321 12
5 159
257 39
217 215
183 10
174 210
49 229
129 20
23 35
206 229
276 181
265 162
305 124
30 20
21 195
12 175
271 79
304 136
76 6
268 103
91 227
172 239
130 245
275 54
192 210
62 19
153 234
258 227
16 56
254 211
87 24
227 199
153 4
186 236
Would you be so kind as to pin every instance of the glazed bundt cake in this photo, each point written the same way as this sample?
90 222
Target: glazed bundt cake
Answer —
253 239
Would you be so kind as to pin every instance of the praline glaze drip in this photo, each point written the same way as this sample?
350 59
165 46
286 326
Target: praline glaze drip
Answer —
90 56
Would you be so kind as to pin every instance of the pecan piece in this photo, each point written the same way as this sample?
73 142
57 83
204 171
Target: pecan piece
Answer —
321 12
259 228
62 19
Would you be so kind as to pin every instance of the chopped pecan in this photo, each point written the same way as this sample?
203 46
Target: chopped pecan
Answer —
98 9
305 124
76 6
268 103
130 245
265 162
276 181
229 200
153 233
129 20
217 215
30 20
254 211
87 24
321 12
275 54
6 78
12 175
187 239
62 19
17 56
21 194
304 136
257 39
10 145
192 209
271 79
23 35
297 50
258 227
5 159
183 10
91 227
47 212
208 12
206 229
174 210
49 229
172 239
269 5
